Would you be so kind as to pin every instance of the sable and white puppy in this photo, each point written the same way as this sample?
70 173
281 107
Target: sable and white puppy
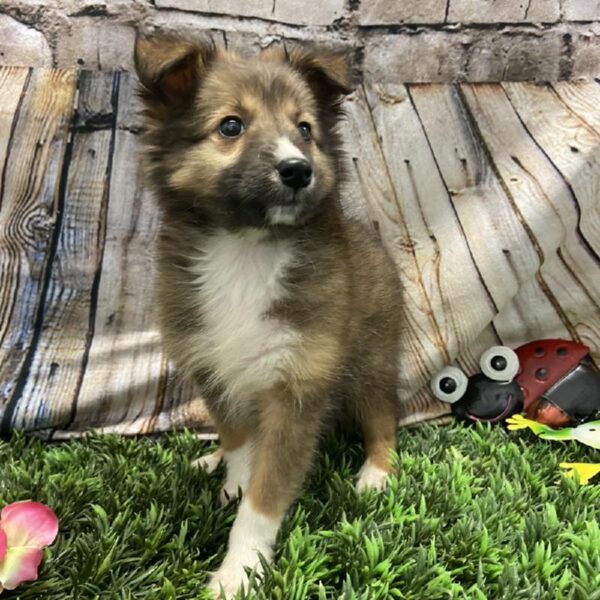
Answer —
282 310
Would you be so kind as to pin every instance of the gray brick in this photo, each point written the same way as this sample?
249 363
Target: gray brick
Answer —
129 8
322 12
116 44
91 44
415 57
514 56
243 35
246 43
319 12
581 10
249 8
467 55
100 33
387 12
505 11
586 53
22 45
543 11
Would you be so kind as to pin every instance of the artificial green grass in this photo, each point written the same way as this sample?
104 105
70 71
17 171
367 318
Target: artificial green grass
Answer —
474 513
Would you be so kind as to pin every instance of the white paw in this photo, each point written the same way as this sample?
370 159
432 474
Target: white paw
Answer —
371 477
225 582
252 535
209 462
231 575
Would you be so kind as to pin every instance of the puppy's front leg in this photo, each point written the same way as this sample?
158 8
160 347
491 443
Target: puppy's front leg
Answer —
283 451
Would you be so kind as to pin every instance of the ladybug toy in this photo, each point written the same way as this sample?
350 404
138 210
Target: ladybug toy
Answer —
554 381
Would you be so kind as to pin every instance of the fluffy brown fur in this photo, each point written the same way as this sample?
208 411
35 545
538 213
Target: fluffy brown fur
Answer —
322 297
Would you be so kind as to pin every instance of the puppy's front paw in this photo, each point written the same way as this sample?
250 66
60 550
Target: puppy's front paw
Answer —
371 476
232 575
209 462
225 582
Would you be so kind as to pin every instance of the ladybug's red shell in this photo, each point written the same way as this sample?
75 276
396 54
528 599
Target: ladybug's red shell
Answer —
544 363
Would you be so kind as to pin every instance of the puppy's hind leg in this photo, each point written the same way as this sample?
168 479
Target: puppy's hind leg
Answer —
209 462
236 451
379 428
236 443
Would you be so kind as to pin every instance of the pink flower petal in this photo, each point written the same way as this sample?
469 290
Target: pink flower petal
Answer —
2 544
19 565
28 524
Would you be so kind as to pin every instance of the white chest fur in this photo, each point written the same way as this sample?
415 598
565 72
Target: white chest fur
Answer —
239 277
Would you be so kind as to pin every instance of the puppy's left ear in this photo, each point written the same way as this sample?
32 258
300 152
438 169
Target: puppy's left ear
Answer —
328 72
170 68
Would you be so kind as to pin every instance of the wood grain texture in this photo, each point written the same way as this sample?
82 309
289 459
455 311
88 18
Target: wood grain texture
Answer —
582 98
546 208
13 84
506 258
572 147
30 213
124 376
183 405
437 241
486 196
571 143
487 220
52 387
420 331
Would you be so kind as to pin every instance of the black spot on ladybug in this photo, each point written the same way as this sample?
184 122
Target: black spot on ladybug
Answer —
541 374
539 351
562 351
498 363
447 385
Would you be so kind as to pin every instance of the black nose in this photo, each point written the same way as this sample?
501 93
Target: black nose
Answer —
295 172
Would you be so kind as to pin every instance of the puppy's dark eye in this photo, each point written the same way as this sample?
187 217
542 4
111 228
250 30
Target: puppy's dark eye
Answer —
304 129
231 127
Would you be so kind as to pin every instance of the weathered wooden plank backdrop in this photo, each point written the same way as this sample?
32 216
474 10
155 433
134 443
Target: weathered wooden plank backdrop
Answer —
487 196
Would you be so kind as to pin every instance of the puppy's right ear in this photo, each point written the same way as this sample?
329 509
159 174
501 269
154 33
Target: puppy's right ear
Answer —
170 68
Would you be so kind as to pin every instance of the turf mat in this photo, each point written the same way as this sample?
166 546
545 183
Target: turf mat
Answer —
474 513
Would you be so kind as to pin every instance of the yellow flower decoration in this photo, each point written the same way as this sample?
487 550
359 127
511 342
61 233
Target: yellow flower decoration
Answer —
585 471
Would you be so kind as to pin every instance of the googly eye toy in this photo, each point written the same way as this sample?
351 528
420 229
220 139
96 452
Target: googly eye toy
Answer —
554 381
